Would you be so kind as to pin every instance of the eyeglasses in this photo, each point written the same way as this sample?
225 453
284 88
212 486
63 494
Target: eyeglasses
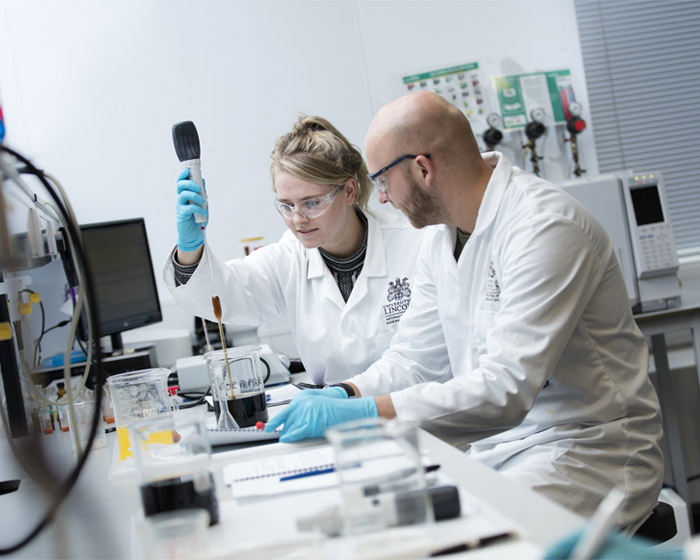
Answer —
381 182
310 208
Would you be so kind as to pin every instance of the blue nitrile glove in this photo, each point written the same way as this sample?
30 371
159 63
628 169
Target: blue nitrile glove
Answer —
189 232
310 417
615 547
326 393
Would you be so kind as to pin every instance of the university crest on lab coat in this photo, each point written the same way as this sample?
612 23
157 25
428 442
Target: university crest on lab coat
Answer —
492 291
398 290
398 296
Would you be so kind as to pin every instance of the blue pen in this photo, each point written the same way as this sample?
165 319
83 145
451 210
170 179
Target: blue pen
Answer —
307 473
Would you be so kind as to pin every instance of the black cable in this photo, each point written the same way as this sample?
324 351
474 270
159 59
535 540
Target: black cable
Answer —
83 347
56 326
199 401
41 306
269 372
196 395
63 489
37 344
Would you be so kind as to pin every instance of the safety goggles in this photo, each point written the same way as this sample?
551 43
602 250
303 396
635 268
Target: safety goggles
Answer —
381 182
310 208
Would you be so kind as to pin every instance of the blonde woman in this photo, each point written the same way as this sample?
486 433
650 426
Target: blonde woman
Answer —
341 276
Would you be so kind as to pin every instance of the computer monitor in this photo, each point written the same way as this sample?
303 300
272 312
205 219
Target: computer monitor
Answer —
126 296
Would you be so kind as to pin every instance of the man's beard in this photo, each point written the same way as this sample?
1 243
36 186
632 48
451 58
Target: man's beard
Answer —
421 209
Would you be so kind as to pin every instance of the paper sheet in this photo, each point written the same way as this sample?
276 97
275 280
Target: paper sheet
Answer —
281 394
261 477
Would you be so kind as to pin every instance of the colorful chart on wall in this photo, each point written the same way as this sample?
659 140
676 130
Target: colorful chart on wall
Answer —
521 94
461 85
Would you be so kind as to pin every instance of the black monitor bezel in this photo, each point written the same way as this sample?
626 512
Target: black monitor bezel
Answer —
117 326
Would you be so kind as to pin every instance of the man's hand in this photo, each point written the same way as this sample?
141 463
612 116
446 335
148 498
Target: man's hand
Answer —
310 416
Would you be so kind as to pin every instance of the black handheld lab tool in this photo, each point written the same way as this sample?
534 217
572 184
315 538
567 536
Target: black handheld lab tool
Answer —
188 151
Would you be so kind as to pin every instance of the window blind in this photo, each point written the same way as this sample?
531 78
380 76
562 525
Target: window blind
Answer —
642 65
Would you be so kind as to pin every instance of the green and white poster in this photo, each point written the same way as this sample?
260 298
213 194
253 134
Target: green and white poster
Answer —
520 94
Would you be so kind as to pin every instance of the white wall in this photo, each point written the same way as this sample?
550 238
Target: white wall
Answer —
91 89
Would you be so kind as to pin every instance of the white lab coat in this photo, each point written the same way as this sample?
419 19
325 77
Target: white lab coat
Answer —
335 339
550 370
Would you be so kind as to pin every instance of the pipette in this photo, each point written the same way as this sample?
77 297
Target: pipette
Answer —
187 147
226 420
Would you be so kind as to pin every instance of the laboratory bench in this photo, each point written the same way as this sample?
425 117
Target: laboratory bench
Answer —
103 517
659 327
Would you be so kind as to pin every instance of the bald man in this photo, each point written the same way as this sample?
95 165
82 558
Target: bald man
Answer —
520 302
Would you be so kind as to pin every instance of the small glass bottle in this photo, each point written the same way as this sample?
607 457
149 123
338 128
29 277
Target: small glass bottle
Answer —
46 420
107 407
173 397
62 414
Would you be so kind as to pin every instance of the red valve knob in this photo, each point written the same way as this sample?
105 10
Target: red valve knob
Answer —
575 125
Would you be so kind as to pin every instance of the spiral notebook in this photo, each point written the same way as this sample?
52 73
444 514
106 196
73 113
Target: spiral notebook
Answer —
311 469
263 477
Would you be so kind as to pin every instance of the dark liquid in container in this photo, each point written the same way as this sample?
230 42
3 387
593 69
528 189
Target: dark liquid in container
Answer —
246 411
179 493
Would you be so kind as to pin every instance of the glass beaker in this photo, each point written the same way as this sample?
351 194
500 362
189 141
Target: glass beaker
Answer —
381 475
176 535
237 386
173 464
137 395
